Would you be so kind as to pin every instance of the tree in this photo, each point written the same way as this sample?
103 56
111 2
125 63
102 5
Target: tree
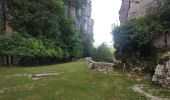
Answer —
103 53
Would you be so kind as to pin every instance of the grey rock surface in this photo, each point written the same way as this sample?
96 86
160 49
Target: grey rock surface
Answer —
131 9
162 75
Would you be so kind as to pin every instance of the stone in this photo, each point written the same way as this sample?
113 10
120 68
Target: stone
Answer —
162 76
124 10
90 65
139 89
99 66
43 75
154 78
160 70
159 42
131 9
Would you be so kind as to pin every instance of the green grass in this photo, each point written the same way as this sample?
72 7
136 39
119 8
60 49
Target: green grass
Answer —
74 82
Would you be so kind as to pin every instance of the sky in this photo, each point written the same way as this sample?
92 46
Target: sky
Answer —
104 13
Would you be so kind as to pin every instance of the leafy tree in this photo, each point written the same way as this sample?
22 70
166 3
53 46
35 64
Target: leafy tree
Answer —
103 53
42 31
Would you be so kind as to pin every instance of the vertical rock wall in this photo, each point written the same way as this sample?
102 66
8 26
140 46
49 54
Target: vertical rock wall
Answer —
83 22
82 16
124 10
131 9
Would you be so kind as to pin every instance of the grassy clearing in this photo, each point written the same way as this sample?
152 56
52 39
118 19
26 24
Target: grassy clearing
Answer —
74 82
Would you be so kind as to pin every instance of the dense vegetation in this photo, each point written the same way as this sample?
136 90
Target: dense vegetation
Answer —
41 31
134 38
103 53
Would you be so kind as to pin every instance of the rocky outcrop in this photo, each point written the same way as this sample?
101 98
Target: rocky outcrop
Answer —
162 41
162 75
99 66
81 16
124 10
131 9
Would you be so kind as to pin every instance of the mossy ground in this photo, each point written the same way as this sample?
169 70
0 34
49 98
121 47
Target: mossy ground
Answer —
74 82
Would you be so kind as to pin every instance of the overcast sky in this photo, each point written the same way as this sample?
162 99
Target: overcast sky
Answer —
104 13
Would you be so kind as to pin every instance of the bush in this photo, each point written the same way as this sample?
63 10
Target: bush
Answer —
29 46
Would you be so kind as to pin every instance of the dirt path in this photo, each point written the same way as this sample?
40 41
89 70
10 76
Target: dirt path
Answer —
139 89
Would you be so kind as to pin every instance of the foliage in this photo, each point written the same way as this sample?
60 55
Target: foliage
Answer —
76 3
42 30
103 53
29 46
35 18
87 44
135 37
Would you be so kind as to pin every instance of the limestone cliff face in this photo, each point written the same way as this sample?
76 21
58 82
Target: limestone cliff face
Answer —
81 16
131 9
123 13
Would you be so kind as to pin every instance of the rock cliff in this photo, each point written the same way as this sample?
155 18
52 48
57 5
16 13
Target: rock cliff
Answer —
131 9
81 16
162 75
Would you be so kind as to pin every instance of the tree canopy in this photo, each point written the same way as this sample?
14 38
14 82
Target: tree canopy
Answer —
40 30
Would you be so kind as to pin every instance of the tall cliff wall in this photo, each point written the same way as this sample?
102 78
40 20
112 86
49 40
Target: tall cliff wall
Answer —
83 22
81 16
131 9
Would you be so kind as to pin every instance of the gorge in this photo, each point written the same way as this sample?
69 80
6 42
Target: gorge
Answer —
58 31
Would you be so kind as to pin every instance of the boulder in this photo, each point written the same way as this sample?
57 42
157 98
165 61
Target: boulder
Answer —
162 75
